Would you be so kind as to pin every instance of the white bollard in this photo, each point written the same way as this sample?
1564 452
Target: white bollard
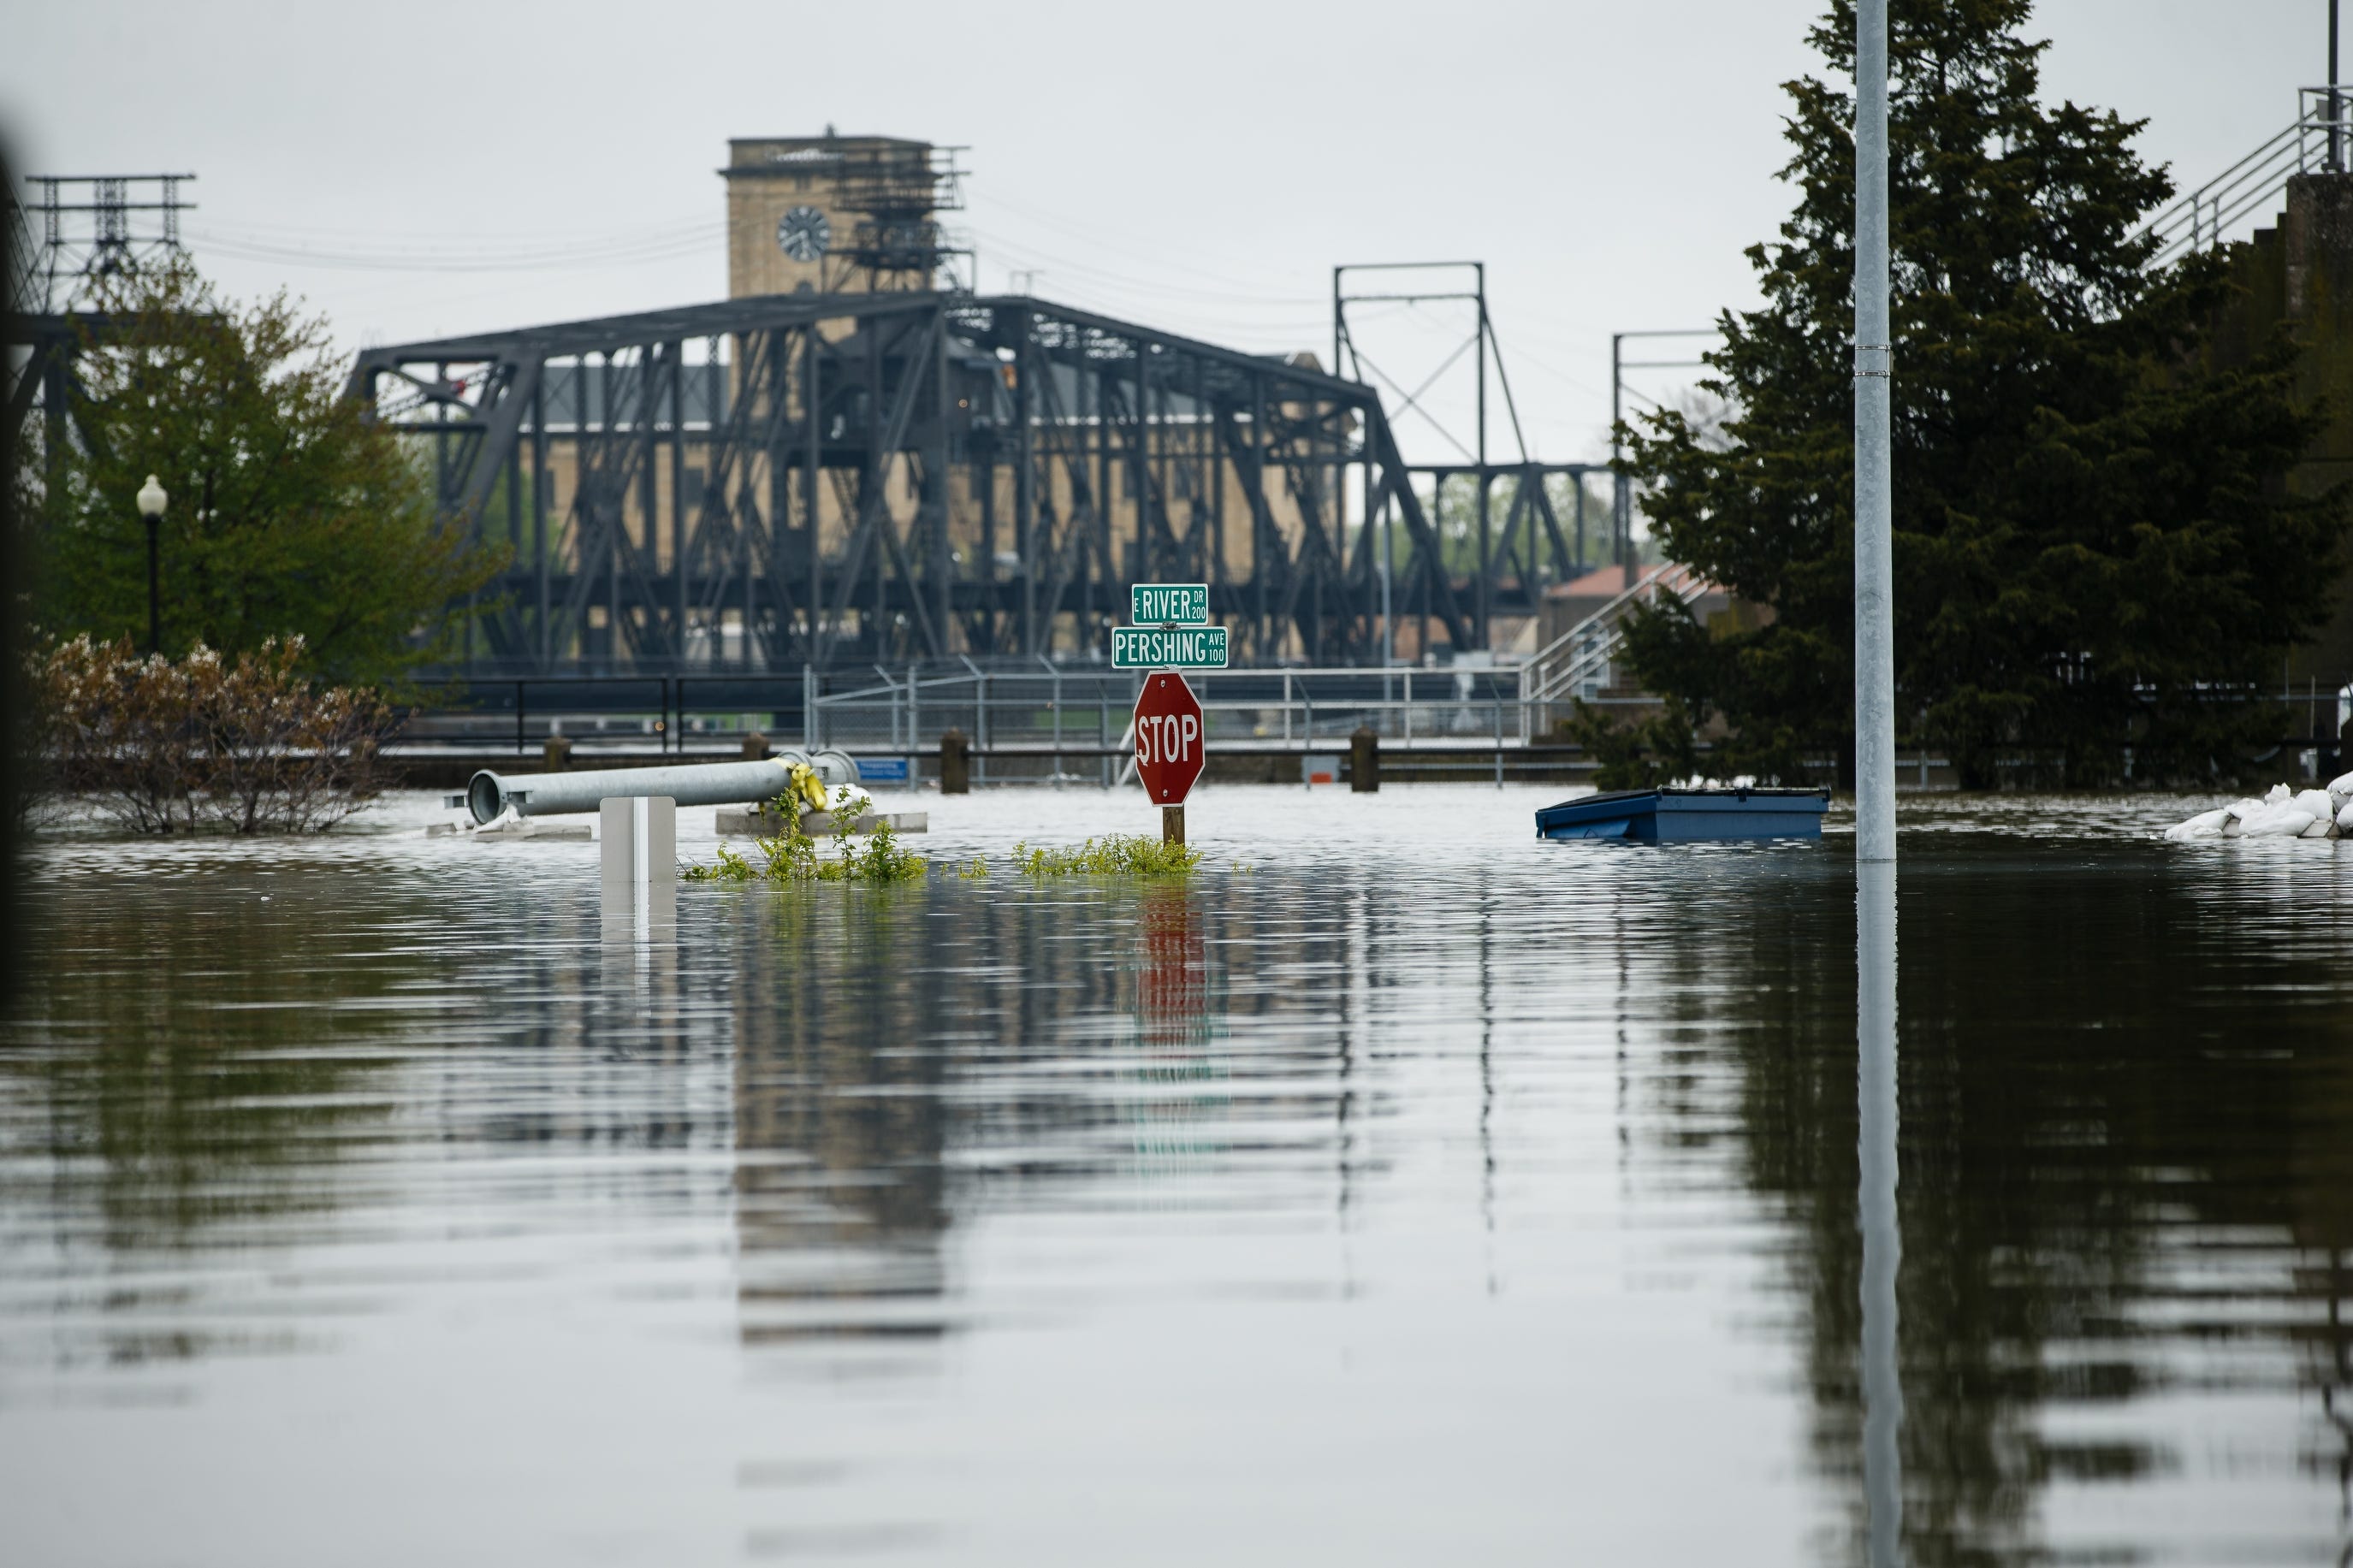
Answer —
639 858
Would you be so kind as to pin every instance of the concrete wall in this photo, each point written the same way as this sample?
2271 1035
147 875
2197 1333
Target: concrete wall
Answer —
2300 271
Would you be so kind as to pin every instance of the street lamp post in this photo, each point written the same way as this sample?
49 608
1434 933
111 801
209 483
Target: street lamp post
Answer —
151 501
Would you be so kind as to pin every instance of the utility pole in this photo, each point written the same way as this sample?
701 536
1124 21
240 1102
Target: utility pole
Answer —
1621 493
1874 358
1874 803
1619 526
2335 105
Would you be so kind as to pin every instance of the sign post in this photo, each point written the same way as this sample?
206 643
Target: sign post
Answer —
1173 633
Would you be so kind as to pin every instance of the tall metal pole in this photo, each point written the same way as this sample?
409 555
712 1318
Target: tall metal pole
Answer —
1486 545
2335 109
1336 270
154 592
812 479
1875 607
1620 525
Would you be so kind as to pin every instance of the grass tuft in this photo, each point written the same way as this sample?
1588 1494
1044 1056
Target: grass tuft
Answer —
1118 855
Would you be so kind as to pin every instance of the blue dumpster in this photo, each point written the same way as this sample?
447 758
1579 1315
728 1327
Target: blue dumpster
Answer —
1684 816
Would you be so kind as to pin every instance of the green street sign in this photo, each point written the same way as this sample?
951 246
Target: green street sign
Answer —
1169 605
1179 648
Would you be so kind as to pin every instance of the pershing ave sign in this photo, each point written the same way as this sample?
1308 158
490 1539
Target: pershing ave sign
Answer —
1167 648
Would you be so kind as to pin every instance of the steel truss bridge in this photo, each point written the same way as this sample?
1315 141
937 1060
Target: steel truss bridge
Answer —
833 480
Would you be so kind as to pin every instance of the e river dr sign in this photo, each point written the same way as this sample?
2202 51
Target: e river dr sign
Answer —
1170 743
1168 604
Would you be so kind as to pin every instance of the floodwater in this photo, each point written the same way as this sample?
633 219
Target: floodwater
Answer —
1401 1189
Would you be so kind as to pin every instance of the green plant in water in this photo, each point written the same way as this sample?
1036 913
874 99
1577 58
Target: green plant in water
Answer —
732 868
1117 854
792 856
883 859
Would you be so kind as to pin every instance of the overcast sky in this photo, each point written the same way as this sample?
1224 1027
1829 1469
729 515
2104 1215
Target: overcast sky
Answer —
1198 167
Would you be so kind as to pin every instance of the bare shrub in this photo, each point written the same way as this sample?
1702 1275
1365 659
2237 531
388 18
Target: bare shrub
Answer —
115 728
248 745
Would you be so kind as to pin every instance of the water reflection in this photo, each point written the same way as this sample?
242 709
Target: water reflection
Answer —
191 1102
840 1119
1401 1207
2126 1158
1883 1241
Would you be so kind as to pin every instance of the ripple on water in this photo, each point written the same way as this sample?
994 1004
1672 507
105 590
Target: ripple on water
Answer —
1422 1191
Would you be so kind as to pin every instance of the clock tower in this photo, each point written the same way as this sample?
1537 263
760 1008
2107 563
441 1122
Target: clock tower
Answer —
836 214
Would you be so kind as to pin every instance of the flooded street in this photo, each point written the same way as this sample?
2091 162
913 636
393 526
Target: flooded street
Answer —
1398 1189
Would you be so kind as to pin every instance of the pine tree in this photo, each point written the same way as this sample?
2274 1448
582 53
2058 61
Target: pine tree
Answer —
2095 545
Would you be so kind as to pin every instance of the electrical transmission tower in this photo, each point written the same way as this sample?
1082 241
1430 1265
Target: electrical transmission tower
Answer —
95 225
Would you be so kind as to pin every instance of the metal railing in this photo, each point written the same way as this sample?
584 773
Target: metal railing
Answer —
1077 710
668 713
1580 662
1055 709
2316 141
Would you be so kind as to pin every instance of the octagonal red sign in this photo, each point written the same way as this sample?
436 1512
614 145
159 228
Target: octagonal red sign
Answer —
1169 739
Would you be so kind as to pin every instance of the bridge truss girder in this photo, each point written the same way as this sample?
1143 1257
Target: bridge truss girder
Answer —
848 478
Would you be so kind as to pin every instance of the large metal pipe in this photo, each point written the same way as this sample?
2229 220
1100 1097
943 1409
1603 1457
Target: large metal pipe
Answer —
699 783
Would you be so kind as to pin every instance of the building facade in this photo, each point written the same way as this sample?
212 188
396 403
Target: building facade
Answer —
835 214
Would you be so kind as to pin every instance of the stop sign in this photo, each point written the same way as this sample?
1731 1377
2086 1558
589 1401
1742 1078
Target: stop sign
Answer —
1169 739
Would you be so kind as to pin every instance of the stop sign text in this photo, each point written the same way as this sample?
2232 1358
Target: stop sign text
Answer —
1169 742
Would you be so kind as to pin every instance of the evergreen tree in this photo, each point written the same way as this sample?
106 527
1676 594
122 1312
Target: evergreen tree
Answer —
2095 547
292 513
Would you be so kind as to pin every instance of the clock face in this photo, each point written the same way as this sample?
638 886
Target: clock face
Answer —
803 234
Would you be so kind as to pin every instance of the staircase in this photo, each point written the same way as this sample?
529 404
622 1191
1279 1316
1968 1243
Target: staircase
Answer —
1579 663
2319 140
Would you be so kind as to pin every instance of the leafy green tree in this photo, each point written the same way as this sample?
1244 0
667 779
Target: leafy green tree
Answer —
1659 748
291 514
2095 547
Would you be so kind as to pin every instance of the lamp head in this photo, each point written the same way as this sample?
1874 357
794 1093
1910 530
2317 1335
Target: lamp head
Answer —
152 499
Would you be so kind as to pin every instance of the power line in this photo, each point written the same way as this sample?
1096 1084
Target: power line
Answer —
612 250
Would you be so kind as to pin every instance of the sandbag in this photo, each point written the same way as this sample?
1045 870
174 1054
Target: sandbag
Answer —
2205 825
2282 813
2282 820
